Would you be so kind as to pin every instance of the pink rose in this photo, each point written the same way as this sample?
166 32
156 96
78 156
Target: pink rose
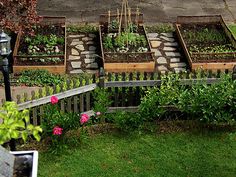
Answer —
98 113
84 118
54 100
57 130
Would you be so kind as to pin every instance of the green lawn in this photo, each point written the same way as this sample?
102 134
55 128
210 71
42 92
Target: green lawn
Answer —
182 154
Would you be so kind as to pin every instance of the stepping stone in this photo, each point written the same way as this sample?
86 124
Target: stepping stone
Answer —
175 60
87 39
76 43
72 57
157 53
169 49
91 71
172 54
88 60
76 64
92 48
92 35
74 52
155 44
76 71
152 35
92 65
167 39
162 68
90 43
177 70
76 35
177 65
161 60
90 56
171 44
169 35
80 47
87 52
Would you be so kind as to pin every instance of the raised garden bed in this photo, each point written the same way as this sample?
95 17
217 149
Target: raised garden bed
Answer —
125 50
207 42
46 49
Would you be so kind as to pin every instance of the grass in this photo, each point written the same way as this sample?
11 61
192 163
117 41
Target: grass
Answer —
179 154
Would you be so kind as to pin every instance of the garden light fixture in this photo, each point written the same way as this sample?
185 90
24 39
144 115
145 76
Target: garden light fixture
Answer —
5 50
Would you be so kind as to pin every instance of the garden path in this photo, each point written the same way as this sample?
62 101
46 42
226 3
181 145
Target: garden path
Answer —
82 50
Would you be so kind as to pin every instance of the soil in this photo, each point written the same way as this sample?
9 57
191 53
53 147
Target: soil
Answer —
208 49
41 57
132 55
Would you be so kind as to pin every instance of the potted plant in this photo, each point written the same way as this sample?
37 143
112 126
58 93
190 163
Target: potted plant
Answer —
15 124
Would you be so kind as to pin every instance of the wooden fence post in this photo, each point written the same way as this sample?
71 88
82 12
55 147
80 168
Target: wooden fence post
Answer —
101 78
234 73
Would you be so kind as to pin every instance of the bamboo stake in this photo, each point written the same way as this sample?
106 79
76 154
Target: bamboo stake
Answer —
121 14
125 15
118 14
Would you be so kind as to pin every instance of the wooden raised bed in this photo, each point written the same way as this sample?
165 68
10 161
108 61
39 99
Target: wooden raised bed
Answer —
23 62
130 61
206 60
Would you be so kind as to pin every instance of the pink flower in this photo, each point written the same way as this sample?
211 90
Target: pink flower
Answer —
98 113
57 130
84 118
54 100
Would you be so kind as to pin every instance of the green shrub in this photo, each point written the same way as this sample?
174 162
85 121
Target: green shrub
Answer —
39 78
209 103
127 121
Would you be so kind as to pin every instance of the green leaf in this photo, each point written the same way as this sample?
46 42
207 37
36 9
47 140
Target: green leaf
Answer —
24 136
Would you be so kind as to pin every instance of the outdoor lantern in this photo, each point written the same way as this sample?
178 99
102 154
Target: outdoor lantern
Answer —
5 44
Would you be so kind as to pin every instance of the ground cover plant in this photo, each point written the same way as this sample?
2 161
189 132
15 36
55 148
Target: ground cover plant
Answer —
233 29
160 28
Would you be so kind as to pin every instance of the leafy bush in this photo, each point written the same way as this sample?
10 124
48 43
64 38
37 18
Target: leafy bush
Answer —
101 101
16 124
209 103
39 78
127 121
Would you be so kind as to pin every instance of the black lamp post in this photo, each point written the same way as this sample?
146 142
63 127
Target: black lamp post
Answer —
5 50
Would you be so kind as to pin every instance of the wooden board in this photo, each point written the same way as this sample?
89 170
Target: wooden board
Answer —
129 67
56 69
214 66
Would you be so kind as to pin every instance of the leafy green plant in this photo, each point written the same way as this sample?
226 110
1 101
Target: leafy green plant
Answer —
16 124
101 101
82 28
39 78
107 42
160 28
127 121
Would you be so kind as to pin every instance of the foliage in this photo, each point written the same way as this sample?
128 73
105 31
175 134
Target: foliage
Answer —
82 28
214 103
101 101
127 121
160 28
114 25
39 78
204 35
152 103
18 15
16 124
209 103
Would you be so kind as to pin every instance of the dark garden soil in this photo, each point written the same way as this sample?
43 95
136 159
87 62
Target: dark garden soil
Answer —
208 42
45 47
130 52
